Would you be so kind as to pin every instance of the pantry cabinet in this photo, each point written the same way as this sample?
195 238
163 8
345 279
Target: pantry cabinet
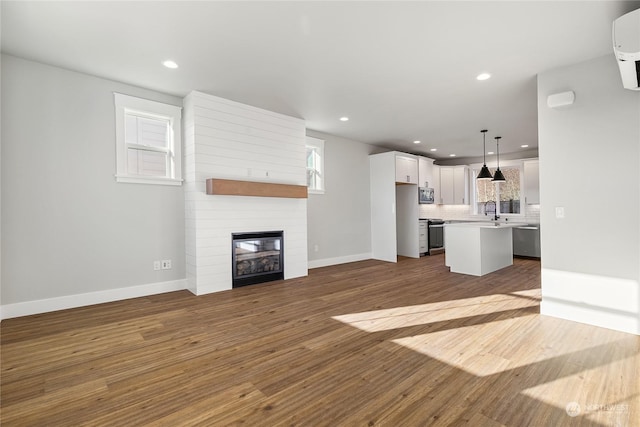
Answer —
394 205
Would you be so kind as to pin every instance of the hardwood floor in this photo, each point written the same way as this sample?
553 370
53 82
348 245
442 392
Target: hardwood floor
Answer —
361 344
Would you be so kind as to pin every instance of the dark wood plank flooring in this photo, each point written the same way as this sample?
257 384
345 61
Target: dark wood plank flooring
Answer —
361 344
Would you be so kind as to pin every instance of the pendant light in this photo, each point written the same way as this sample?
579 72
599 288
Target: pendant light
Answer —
484 172
498 176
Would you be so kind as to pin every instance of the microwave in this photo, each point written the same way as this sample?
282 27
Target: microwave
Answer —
425 195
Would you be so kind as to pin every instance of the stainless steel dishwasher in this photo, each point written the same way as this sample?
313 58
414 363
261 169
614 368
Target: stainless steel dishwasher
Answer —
526 241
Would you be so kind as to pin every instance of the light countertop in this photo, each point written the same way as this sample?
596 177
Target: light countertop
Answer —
487 224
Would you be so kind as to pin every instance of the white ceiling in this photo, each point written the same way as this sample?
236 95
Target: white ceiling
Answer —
402 71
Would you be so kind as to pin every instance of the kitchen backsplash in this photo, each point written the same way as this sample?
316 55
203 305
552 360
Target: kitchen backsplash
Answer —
464 212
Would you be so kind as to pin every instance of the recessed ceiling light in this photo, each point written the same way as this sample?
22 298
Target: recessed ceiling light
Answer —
170 64
490 152
434 149
452 155
483 76
524 146
344 119
416 142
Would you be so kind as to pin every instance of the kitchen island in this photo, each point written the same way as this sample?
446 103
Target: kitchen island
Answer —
478 248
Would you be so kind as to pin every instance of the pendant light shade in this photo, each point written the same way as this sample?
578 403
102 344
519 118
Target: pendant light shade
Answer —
484 171
498 176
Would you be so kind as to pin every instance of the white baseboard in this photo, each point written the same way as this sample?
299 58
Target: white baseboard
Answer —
338 260
27 308
608 302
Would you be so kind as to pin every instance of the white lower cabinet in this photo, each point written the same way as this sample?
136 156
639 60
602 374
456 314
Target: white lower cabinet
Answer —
422 237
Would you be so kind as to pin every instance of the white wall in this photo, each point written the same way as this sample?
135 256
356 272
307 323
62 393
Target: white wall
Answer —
230 140
339 221
69 231
589 165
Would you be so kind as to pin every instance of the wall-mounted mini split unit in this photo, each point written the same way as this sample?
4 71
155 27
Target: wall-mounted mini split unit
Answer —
626 46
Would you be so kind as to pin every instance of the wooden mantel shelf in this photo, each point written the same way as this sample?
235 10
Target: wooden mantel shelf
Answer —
229 187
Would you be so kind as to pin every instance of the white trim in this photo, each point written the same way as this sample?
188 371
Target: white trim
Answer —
209 289
27 308
317 144
125 104
147 180
608 302
317 263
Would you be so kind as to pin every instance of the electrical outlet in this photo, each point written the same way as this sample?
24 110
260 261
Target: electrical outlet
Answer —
166 264
559 212
156 265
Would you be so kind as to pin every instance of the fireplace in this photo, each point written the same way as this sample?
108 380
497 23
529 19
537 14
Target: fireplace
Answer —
257 257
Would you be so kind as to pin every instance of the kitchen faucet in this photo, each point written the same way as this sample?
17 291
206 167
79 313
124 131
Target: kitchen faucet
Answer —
495 209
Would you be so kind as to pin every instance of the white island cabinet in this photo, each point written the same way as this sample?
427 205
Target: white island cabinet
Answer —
478 248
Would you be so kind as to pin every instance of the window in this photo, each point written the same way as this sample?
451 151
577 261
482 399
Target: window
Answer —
315 165
506 195
147 141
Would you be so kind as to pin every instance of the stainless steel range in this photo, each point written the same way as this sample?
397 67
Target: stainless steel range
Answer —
435 235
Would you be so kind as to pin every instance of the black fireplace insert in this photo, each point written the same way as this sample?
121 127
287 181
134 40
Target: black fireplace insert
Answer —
257 257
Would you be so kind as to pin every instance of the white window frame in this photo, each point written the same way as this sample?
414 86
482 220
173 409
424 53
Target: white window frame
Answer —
514 164
125 104
317 145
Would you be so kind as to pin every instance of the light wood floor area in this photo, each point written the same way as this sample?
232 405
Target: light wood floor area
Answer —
361 344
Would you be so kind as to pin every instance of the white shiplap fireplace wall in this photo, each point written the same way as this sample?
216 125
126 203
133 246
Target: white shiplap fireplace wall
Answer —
229 140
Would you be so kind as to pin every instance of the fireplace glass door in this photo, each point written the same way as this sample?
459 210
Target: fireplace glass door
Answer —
257 258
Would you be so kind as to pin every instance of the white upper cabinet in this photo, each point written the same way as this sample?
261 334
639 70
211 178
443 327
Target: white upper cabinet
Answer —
461 185
446 185
531 182
435 176
425 172
429 176
406 169
454 185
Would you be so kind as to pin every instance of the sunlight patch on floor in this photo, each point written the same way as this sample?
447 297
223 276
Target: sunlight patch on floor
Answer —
422 314
490 348
575 392
467 348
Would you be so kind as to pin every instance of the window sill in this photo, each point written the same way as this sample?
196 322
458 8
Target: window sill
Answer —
147 180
